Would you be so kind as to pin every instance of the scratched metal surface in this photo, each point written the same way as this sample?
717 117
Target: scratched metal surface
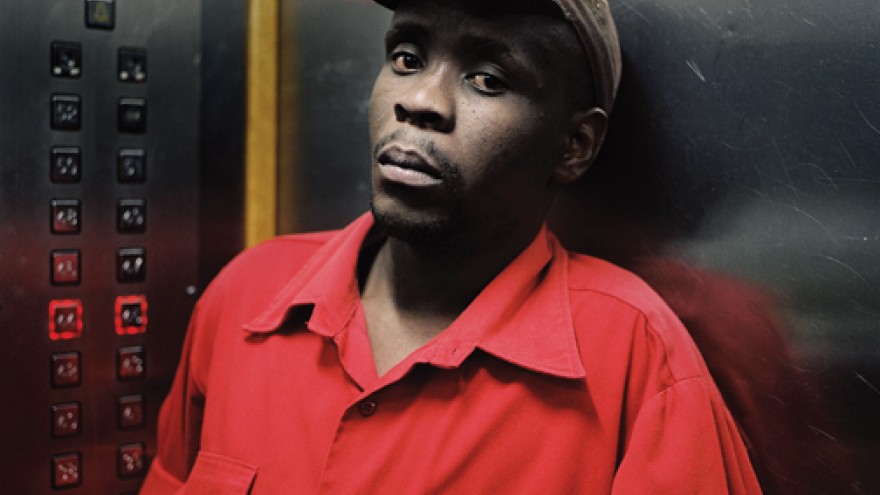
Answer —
741 178
750 132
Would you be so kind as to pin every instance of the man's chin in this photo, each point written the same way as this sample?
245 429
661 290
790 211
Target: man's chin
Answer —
421 230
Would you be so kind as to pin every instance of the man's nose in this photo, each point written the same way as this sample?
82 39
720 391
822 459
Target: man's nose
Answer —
428 101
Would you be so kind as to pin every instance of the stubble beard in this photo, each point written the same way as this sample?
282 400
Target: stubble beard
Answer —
436 232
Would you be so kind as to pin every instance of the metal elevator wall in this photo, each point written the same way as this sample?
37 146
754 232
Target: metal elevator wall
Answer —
741 178
88 425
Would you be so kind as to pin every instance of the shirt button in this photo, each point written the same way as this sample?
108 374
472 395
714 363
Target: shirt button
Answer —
367 407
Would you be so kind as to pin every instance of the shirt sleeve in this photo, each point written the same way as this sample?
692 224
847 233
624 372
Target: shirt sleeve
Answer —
684 441
180 421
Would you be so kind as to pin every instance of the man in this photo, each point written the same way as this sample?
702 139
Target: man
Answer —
446 342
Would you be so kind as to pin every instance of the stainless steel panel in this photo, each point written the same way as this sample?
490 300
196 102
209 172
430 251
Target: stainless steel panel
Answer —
170 33
742 180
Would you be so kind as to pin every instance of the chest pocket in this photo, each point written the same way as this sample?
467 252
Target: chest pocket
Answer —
214 474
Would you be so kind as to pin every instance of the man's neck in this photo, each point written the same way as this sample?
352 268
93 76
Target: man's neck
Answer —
410 294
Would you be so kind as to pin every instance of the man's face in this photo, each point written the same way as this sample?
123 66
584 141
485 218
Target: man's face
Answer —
467 120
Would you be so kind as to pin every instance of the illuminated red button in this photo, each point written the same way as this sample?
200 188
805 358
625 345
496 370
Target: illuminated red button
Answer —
66 470
131 315
65 419
65 319
66 370
130 460
65 266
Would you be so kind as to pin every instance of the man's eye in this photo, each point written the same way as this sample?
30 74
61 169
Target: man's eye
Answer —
405 62
487 83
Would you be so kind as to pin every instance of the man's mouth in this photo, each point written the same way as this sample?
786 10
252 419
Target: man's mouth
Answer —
408 167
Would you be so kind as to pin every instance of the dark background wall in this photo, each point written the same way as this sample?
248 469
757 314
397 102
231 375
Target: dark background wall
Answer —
222 126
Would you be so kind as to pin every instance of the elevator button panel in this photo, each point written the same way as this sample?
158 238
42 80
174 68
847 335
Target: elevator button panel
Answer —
101 165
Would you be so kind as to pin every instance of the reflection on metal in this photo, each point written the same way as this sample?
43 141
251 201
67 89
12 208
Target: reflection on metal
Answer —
741 180
262 122
331 51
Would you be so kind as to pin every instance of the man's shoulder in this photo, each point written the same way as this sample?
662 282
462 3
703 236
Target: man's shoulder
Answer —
593 276
614 307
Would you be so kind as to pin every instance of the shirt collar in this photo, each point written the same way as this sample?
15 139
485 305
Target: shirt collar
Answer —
523 316
327 281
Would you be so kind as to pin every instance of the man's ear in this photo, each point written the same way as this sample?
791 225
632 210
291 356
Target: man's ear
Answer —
586 133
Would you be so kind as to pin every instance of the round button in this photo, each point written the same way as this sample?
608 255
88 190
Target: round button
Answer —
367 407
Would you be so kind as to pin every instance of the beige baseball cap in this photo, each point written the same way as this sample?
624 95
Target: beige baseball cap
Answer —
595 27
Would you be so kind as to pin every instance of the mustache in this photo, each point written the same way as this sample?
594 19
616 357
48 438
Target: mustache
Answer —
448 169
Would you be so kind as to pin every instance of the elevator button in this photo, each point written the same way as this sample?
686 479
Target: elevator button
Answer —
132 65
66 164
100 14
65 266
66 59
131 265
131 363
131 460
66 111
131 315
66 371
131 216
66 470
65 216
132 115
65 319
131 411
131 165
66 419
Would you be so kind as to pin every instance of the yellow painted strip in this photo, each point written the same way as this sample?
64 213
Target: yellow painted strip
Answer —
262 123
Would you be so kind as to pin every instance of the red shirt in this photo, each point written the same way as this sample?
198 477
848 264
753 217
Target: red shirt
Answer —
565 375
